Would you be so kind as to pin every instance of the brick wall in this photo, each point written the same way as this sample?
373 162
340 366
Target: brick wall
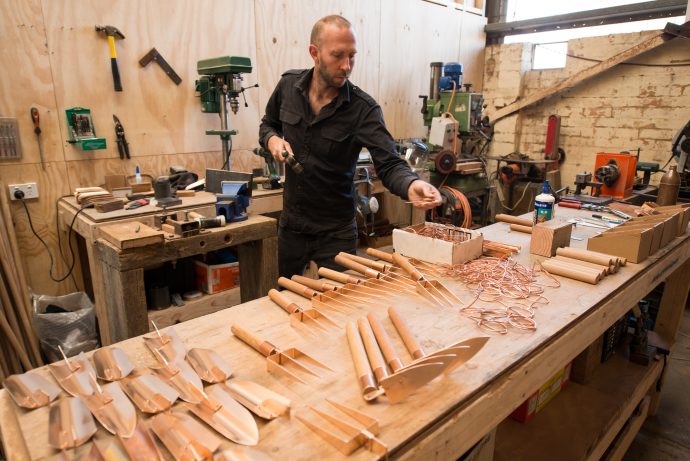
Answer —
625 108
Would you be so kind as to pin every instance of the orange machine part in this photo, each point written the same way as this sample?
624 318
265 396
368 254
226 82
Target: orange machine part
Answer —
624 184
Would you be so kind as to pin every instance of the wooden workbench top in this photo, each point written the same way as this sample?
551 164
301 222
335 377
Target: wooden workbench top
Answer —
467 404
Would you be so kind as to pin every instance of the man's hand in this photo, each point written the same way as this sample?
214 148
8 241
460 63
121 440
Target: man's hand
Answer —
423 195
276 145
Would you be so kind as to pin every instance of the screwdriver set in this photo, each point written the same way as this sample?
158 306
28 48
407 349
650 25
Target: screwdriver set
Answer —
81 131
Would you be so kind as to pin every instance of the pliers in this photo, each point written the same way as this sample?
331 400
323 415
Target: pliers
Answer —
122 144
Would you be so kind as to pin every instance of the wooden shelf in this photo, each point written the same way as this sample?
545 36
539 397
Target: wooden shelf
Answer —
583 420
207 304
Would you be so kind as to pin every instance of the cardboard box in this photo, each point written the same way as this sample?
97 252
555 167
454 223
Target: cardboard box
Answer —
435 250
217 277
537 401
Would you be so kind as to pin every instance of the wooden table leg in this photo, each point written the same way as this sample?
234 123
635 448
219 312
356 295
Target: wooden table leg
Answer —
258 268
125 303
673 301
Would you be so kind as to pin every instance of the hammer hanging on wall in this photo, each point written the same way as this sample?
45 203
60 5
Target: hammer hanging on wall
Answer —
112 33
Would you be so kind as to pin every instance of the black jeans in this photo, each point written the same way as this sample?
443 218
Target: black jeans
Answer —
295 250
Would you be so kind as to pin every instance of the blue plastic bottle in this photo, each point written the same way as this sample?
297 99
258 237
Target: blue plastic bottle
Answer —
543 204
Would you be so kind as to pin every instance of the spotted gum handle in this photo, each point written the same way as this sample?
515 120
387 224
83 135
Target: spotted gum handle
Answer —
249 338
337 276
404 331
407 266
382 255
385 343
320 285
297 288
355 266
373 351
280 299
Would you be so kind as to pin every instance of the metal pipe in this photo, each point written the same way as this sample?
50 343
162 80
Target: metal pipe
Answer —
436 68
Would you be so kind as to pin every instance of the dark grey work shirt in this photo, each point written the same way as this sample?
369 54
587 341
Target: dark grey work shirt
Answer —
323 198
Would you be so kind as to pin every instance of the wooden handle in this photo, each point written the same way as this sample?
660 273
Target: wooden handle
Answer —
586 255
407 266
280 299
248 337
513 220
373 351
319 285
601 272
385 343
359 357
337 276
404 331
355 266
297 288
580 262
382 255
521 228
566 271
377 266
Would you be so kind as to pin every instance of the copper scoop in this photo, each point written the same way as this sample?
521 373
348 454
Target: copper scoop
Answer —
31 390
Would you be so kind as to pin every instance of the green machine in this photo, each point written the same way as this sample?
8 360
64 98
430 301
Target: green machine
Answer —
219 85
458 137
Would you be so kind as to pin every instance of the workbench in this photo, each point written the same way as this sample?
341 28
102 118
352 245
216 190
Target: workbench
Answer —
448 416
115 278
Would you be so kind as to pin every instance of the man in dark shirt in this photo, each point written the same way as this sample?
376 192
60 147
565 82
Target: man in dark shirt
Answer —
322 119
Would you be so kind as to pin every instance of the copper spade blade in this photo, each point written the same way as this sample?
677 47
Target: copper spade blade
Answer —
260 400
400 385
165 345
184 437
113 410
69 424
224 414
31 390
181 377
73 375
149 393
140 446
209 365
112 363
462 350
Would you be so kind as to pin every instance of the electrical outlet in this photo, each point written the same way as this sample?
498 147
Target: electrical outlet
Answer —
30 190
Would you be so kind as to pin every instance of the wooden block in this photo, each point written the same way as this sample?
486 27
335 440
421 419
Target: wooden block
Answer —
115 181
587 362
110 205
185 193
131 235
548 236
141 187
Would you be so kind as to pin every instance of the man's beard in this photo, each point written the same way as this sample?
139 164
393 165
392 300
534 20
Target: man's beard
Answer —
329 79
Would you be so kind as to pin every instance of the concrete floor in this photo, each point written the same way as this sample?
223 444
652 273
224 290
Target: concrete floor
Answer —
666 435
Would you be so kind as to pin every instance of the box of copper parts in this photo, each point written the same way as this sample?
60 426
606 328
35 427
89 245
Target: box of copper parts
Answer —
638 238
537 401
216 277
438 243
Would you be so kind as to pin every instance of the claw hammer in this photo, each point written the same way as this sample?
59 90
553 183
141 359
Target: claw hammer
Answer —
112 33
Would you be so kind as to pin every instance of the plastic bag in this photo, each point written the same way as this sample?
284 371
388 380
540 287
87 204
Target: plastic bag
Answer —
67 321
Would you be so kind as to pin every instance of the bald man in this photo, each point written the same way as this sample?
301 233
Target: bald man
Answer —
324 120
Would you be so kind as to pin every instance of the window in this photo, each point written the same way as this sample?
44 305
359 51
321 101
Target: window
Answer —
549 55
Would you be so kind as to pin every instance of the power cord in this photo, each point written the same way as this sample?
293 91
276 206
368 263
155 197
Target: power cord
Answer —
19 195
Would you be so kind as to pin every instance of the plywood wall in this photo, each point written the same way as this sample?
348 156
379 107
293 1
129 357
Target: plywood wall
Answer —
53 59
641 104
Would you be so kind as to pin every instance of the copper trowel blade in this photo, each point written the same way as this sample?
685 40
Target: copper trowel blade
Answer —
463 350
31 390
209 365
184 437
140 446
149 393
112 363
69 424
262 401
118 416
401 384
230 419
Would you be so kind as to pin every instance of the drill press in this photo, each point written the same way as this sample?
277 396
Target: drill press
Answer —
220 84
